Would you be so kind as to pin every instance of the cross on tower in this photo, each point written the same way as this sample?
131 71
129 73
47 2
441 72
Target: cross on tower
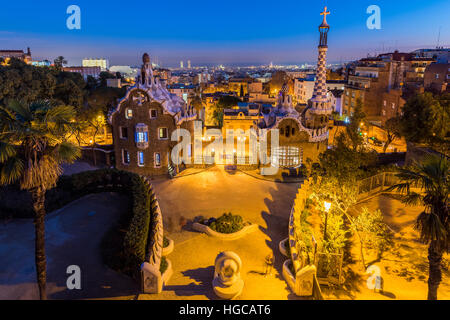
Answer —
325 13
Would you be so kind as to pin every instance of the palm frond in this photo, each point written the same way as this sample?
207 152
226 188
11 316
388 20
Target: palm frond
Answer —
430 228
11 171
6 151
66 152
20 109
412 199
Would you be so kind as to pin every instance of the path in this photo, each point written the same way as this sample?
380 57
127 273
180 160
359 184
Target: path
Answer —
73 236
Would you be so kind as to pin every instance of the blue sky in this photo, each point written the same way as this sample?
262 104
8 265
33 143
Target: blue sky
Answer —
215 32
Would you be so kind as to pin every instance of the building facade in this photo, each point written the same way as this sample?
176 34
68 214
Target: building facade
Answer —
143 123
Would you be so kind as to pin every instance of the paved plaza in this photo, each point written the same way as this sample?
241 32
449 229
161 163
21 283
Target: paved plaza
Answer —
75 231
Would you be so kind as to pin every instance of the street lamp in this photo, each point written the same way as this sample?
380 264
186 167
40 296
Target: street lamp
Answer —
327 206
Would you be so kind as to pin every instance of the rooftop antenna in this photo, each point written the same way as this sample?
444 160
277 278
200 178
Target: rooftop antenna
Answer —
439 37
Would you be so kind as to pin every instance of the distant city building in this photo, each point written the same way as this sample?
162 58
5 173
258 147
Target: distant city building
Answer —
181 65
304 87
102 63
181 90
189 64
6 55
437 77
441 55
126 71
43 63
379 83
336 96
85 71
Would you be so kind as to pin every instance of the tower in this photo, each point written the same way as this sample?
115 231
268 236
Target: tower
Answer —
189 64
181 64
284 103
146 79
319 105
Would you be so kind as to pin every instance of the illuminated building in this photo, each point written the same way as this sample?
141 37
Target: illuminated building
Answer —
102 63
6 55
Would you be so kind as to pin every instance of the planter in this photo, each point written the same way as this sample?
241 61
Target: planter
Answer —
168 250
168 273
282 246
288 276
224 236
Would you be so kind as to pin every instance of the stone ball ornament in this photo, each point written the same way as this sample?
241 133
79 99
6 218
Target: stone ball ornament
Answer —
227 282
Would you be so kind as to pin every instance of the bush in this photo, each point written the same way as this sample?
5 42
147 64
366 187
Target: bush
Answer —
227 223
164 265
165 242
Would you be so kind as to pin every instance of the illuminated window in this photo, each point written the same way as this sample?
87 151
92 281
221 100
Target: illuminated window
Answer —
141 136
157 158
128 113
287 157
125 157
162 133
140 158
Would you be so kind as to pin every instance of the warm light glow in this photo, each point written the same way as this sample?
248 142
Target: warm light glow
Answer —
327 206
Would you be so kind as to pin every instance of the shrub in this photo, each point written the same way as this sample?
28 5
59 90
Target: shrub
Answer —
227 223
164 265
165 242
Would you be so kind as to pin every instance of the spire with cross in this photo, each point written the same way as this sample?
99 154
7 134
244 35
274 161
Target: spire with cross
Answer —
324 14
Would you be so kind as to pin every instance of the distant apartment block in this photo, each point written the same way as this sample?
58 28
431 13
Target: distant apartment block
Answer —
102 63
85 71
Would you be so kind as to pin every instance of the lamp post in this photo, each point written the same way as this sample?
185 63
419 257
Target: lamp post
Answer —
327 206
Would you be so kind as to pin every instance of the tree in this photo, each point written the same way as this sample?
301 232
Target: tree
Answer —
353 128
218 116
392 127
432 178
103 76
59 62
33 146
241 94
26 83
375 234
278 79
425 119
228 101
344 163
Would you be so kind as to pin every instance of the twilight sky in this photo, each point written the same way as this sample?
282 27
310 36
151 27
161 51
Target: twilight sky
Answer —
219 32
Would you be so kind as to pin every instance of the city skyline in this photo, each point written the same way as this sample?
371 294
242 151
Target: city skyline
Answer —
245 35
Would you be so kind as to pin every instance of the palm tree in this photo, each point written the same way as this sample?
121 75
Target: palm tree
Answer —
432 178
32 149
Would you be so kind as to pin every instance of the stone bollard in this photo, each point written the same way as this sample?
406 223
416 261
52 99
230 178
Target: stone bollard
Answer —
152 281
227 282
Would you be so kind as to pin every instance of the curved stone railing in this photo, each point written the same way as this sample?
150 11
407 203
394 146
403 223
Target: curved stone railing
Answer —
294 222
152 279
224 236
